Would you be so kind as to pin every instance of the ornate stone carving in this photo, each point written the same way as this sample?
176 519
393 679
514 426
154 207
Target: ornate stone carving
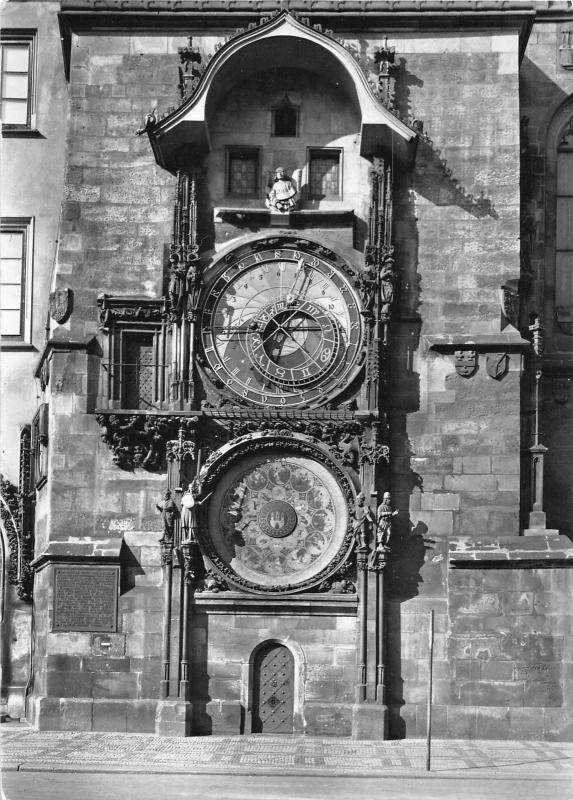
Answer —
185 274
191 502
536 329
384 58
60 304
374 453
283 192
465 362
212 582
342 582
187 553
20 539
166 549
561 390
113 310
496 365
192 69
509 298
149 122
139 440
363 525
387 283
384 515
169 514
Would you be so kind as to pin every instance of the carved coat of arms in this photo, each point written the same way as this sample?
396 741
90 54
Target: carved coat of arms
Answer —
509 299
465 362
562 390
496 365
60 305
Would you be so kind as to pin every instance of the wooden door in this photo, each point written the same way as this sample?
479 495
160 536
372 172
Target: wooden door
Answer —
273 690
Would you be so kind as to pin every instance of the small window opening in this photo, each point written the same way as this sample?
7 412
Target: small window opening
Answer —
285 119
243 171
324 174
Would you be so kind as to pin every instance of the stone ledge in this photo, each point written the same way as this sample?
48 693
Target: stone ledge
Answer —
483 342
239 603
101 550
301 218
511 551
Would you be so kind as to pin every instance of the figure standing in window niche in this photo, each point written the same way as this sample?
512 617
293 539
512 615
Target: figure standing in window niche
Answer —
190 505
282 194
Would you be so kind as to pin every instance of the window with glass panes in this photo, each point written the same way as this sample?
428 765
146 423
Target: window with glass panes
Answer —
324 174
16 88
13 247
243 171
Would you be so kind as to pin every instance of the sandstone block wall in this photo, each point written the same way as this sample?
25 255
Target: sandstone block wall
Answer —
455 440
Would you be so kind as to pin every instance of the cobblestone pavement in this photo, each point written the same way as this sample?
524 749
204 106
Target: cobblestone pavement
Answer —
22 748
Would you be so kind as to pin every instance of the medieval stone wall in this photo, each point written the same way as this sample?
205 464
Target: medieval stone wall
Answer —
501 653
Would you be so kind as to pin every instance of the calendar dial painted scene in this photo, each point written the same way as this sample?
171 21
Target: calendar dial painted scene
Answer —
277 520
282 328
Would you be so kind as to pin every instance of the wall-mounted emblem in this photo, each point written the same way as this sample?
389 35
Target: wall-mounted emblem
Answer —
465 362
496 365
562 390
60 305
509 299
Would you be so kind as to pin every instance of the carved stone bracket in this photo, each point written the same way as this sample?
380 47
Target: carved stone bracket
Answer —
166 546
362 558
342 582
378 559
185 274
140 440
187 553
113 310
212 582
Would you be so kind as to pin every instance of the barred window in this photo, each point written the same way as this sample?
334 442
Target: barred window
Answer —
137 372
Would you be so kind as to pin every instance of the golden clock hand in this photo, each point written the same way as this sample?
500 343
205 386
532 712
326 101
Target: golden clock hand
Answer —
295 293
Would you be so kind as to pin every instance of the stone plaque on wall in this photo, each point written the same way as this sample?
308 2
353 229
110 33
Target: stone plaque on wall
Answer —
85 598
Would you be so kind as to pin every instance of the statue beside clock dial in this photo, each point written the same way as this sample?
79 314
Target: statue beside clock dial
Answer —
281 327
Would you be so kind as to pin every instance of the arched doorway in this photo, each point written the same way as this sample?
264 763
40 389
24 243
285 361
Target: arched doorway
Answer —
273 690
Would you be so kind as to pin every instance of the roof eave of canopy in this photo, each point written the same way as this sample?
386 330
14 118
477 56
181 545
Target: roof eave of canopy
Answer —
184 133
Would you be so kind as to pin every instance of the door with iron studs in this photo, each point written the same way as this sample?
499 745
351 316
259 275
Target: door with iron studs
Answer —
273 690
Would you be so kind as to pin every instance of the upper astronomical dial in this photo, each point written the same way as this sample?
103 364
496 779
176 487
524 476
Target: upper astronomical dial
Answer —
281 327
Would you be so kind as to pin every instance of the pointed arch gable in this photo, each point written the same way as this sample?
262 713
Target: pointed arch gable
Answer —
280 42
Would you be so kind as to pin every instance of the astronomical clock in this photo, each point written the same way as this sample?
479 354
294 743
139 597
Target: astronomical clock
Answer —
281 328
281 331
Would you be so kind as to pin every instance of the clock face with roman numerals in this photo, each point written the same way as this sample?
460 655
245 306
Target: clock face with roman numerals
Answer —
282 327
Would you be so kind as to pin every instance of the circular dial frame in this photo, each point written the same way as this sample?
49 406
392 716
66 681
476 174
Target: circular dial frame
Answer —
278 521
282 327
